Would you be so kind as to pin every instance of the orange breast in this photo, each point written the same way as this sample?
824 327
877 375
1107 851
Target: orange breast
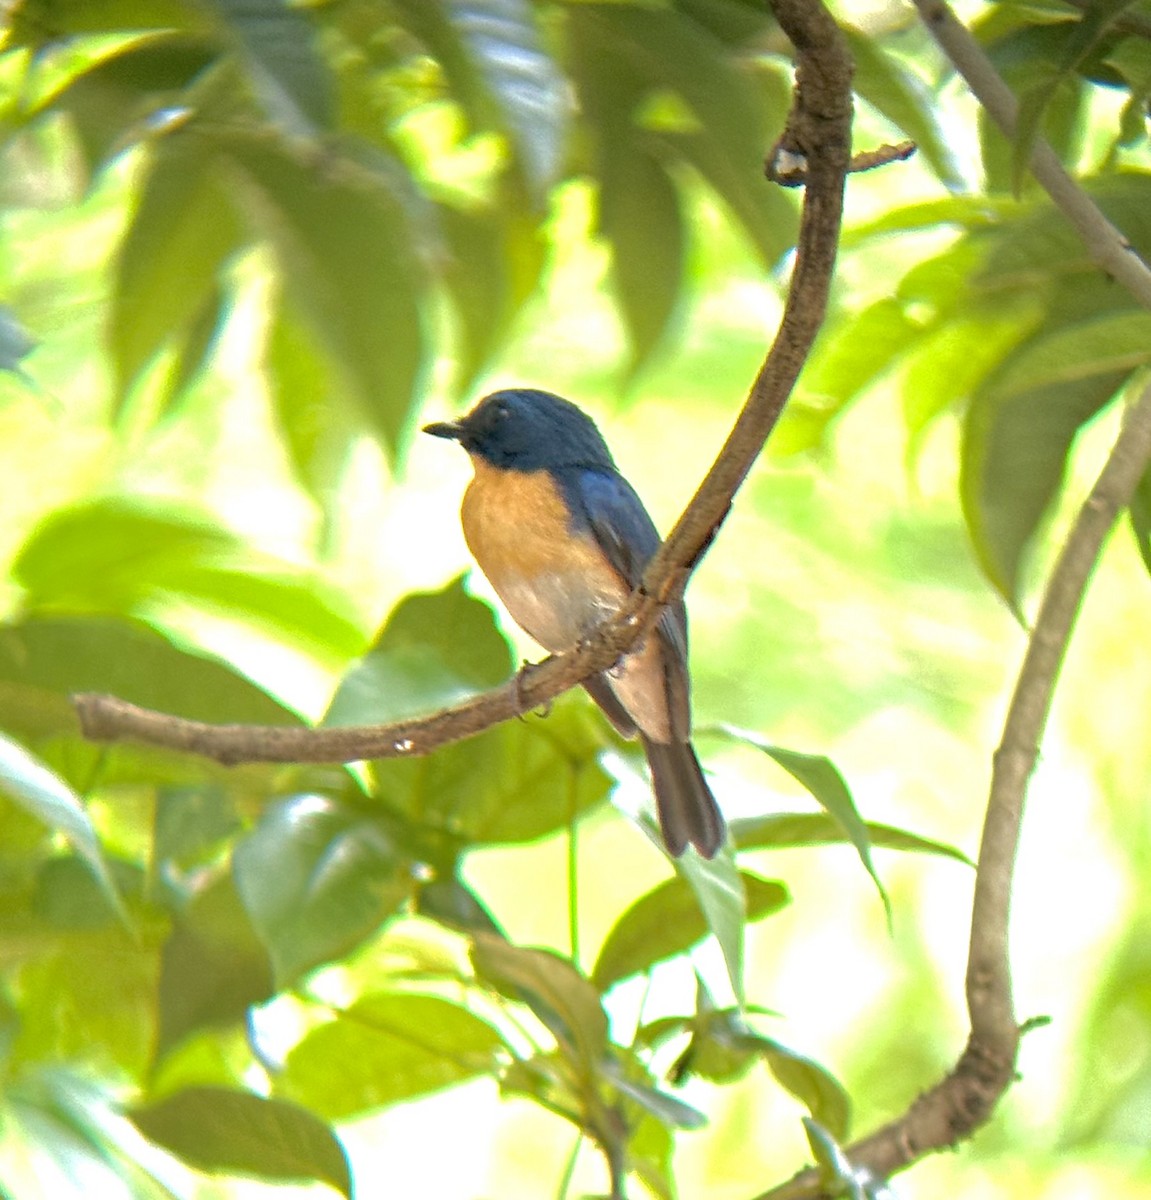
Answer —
556 583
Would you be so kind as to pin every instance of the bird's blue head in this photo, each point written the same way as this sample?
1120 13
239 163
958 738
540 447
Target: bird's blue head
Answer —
524 429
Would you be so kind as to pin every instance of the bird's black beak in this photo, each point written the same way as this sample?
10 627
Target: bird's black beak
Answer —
445 429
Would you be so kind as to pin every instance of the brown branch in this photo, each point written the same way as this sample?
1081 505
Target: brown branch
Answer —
819 127
966 1097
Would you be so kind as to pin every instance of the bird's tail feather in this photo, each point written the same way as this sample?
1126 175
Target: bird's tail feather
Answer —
688 813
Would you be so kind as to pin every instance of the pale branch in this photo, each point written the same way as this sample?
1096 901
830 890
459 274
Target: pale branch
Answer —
1111 251
965 1098
819 129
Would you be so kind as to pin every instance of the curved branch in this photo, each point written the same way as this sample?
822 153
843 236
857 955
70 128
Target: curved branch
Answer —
819 130
965 1098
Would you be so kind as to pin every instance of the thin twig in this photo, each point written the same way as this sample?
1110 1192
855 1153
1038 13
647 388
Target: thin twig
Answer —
819 126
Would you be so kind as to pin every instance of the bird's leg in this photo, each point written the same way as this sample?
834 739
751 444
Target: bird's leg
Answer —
517 684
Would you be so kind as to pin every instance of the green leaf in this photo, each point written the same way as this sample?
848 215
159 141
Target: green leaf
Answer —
555 991
666 1109
497 257
719 889
904 99
814 1086
44 660
347 238
182 233
1140 517
668 921
819 775
191 823
639 215
514 783
41 792
120 554
436 649
316 879
213 967
316 430
221 1130
386 1049
1020 429
277 43
782 830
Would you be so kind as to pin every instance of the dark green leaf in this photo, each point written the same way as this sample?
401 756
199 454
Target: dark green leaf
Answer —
219 1129
780 830
555 991
347 234
452 903
191 822
277 43
193 350
1078 41
213 966
668 921
385 1049
1021 427
436 649
182 233
316 879
36 24
1140 515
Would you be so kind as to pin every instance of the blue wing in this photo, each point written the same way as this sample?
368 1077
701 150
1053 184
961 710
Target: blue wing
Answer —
607 505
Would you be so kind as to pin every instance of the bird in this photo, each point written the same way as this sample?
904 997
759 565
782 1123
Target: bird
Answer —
564 539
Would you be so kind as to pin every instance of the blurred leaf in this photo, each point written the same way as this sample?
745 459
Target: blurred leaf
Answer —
347 235
668 921
719 889
781 830
316 879
436 649
1025 58
193 349
37 22
191 822
514 783
566 1003
639 215
16 343
87 996
451 903
277 43
1079 40
182 233
213 966
649 1156
822 779
70 897
222 1130
734 22
385 1049
496 256
975 211
120 554
665 1108
812 1085
902 97
836 1170
498 67
1140 517
1021 426
41 792
317 432
43 660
